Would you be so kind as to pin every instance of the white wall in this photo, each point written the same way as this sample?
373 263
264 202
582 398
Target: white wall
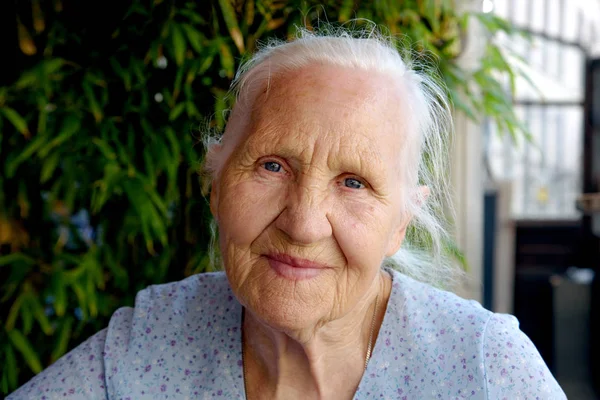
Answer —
466 170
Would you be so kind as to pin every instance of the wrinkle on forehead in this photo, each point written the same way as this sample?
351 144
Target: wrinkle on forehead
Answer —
357 107
360 90
311 144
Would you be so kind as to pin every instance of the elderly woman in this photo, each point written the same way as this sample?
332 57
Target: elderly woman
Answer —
333 151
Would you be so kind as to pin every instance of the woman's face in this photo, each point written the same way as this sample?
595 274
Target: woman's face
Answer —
308 203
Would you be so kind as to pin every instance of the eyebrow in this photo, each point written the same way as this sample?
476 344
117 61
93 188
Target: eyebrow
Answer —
266 128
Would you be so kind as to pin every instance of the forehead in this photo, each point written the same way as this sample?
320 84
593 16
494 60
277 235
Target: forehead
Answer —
352 110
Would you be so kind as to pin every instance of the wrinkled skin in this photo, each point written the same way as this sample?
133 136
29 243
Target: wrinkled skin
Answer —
317 176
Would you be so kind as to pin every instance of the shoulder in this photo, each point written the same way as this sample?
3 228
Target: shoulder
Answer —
488 351
436 344
78 375
170 328
430 343
164 307
211 286
512 364
425 303
160 331
440 324
161 307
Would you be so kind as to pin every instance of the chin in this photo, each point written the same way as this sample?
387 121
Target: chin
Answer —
286 318
284 305
281 301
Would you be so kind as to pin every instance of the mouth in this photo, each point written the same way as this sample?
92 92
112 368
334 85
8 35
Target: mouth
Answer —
293 268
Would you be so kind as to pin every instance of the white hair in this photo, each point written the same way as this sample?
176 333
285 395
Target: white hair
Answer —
425 254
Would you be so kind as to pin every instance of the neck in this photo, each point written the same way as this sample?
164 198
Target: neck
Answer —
317 362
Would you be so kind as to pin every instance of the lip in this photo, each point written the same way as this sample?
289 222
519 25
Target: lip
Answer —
293 268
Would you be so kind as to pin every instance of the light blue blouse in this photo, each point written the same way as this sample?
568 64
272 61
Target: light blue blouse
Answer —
182 340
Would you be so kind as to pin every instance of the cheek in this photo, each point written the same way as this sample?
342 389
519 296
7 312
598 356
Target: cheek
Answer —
246 209
362 231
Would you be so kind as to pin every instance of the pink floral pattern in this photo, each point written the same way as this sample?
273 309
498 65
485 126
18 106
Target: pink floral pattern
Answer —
182 341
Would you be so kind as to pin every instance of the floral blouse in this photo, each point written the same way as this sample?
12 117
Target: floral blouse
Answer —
182 340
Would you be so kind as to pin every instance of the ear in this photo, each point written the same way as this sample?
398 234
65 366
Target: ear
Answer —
396 240
400 233
422 195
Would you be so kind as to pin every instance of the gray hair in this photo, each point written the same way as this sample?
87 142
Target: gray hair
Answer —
424 255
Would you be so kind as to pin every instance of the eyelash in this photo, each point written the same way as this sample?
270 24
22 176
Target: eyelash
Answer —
264 164
353 178
282 169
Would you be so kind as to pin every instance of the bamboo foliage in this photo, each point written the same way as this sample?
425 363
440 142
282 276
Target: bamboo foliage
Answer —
99 191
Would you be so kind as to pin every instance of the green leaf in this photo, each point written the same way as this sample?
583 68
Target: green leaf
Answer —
193 16
194 37
144 209
42 120
40 315
92 101
207 61
346 10
13 313
176 111
137 8
18 122
11 367
126 153
81 299
31 148
27 79
248 19
151 169
220 107
191 109
464 107
49 166
105 187
60 293
62 339
52 66
177 85
119 274
104 148
15 258
430 11
227 61
232 24
26 314
70 126
123 73
452 248
4 388
157 201
26 349
71 276
178 43
44 70
521 73
90 290
494 23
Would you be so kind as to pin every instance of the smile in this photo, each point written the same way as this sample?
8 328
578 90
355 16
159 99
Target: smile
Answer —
294 268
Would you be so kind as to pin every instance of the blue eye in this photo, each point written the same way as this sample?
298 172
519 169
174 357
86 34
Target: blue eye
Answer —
272 166
353 183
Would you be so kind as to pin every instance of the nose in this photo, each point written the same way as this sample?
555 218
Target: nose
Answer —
305 218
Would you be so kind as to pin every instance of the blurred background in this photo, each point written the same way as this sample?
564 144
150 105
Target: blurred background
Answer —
101 109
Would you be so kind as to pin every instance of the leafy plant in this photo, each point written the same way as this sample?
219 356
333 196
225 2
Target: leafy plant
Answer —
99 191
